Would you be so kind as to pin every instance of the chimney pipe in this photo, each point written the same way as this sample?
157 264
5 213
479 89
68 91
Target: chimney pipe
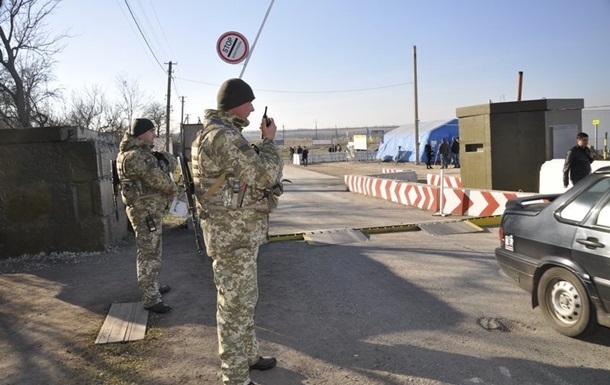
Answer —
520 87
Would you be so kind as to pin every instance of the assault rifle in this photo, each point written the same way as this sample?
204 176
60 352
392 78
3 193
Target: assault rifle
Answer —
115 186
189 190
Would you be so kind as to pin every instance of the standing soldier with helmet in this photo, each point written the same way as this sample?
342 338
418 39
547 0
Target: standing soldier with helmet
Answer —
236 186
146 188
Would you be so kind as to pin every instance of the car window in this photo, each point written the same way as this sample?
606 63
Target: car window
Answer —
604 215
579 207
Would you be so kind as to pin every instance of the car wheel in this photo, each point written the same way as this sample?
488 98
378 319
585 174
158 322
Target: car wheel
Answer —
565 303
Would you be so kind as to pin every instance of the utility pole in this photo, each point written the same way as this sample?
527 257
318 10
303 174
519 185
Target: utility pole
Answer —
182 136
416 108
169 94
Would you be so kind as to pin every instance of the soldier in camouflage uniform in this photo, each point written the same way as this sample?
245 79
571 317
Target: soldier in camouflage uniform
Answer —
234 187
146 188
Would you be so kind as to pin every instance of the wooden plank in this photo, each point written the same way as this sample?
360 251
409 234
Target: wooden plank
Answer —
124 322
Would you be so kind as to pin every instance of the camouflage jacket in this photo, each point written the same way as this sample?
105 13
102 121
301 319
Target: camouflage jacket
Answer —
221 151
145 181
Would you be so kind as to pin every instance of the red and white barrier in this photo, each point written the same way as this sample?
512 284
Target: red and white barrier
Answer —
406 193
476 203
452 181
456 201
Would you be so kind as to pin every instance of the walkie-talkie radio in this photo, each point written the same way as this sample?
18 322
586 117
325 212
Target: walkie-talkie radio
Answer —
267 121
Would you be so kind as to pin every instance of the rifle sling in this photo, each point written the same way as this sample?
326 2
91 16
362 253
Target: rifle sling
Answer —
208 194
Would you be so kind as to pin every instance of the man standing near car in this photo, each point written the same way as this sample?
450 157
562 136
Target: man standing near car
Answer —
578 161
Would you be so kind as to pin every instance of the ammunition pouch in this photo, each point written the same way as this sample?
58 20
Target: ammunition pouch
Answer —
130 192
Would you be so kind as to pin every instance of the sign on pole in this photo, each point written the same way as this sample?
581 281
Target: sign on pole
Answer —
232 47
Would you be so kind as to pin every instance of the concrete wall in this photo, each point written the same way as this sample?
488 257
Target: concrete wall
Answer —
56 191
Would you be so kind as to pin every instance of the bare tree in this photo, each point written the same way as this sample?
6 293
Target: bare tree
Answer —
133 99
91 108
156 112
88 109
26 57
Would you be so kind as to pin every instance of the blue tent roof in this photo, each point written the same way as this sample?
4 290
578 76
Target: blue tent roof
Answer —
399 146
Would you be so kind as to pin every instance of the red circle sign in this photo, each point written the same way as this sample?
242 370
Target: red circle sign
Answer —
232 47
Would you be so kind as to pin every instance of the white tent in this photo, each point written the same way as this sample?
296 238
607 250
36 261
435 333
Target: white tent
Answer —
399 144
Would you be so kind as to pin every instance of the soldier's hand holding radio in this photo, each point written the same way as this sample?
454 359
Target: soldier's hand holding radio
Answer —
267 127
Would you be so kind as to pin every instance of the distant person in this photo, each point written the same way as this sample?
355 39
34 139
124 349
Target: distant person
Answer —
429 155
305 155
444 152
455 152
146 187
578 161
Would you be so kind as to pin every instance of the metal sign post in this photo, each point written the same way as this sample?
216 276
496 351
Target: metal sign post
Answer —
596 124
256 38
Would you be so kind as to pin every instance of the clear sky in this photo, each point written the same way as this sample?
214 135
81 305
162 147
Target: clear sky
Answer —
343 63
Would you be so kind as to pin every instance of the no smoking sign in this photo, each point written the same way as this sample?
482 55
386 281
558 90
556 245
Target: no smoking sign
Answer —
232 47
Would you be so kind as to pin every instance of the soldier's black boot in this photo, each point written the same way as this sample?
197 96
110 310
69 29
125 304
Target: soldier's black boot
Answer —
159 308
264 363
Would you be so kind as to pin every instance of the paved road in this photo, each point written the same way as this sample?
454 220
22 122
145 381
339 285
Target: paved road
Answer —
399 308
408 307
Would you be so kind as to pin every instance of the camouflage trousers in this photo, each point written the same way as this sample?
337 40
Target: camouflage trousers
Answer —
148 253
235 276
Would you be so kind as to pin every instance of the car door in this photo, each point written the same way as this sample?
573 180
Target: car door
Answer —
591 246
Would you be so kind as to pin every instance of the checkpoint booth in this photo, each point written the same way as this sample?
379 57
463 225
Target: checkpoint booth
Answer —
503 145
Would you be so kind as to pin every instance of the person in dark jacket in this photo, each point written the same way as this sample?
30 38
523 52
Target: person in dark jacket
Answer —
444 150
305 155
455 152
429 155
578 161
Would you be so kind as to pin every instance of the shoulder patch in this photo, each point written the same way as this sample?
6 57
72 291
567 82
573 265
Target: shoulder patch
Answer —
244 147
241 143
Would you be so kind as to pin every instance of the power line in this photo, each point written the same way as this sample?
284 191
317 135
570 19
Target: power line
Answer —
309 92
339 91
178 93
142 34
598 108
169 46
152 35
